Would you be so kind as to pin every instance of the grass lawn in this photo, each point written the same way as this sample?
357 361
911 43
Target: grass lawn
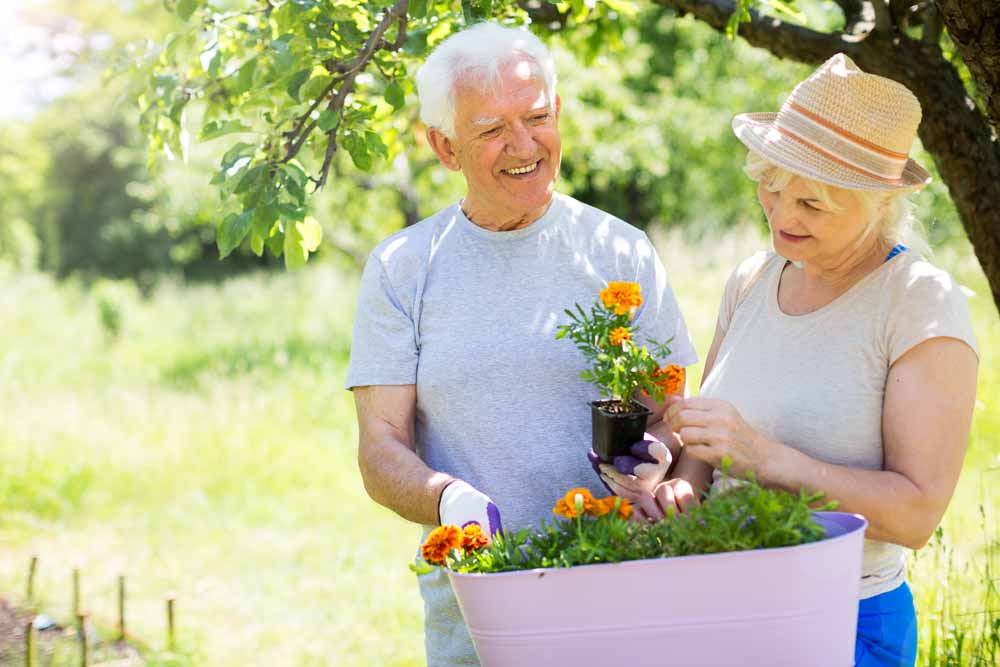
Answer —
207 450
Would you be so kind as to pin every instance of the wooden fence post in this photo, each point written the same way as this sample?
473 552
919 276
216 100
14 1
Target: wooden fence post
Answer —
31 580
121 608
171 637
29 644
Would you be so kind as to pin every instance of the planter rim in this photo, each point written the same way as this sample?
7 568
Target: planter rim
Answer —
542 571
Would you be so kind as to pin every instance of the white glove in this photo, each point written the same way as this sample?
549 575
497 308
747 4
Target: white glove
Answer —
461 504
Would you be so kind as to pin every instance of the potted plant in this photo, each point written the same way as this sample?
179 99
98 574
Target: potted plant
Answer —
751 576
620 367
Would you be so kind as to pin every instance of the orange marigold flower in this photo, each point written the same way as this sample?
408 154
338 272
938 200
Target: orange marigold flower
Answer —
621 296
566 506
670 378
440 543
619 336
625 509
474 538
604 506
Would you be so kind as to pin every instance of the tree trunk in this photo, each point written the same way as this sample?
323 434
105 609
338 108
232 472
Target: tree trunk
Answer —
953 130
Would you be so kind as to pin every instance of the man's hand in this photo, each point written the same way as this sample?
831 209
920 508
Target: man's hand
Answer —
636 477
461 504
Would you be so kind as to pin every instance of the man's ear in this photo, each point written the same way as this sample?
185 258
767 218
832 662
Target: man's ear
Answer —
442 148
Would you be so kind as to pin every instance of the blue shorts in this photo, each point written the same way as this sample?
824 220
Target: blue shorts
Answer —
887 630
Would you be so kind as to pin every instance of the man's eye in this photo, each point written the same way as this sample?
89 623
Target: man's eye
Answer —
492 132
540 118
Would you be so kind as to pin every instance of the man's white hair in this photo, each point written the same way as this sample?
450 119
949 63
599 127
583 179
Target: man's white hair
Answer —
474 57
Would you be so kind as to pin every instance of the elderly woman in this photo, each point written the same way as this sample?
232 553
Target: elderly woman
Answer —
842 361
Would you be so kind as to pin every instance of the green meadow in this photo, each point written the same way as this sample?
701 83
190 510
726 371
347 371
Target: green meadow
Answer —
197 439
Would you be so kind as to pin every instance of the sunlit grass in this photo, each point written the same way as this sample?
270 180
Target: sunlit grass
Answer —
208 450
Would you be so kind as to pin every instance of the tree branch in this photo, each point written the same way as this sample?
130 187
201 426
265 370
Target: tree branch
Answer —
883 17
859 16
785 40
345 85
974 26
545 13
933 26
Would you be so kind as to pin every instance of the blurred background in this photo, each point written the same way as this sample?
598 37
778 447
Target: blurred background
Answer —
180 420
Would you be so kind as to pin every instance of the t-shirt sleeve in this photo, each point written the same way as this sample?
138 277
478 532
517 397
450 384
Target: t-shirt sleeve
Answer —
737 286
659 317
928 304
384 344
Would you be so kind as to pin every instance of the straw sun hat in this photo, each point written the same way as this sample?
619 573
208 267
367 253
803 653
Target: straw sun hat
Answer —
841 126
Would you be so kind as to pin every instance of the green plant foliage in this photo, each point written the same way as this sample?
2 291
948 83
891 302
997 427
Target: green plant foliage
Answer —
739 519
620 369
292 83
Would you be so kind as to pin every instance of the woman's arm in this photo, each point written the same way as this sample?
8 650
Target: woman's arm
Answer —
927 412
926 415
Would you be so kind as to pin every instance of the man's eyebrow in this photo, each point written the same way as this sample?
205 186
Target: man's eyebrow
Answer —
486 121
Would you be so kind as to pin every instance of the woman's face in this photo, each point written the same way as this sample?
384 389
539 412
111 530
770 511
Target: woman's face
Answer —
806 229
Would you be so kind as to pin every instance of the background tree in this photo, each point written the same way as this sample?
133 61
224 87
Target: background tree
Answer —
947 52
296 81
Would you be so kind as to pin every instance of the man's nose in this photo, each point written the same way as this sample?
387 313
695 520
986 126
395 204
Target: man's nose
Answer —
521 143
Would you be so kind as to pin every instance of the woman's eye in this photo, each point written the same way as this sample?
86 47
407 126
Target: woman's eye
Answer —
809 206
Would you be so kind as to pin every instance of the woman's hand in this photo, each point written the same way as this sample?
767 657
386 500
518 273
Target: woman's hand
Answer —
713 431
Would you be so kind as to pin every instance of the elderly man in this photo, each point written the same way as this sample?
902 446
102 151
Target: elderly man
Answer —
468 408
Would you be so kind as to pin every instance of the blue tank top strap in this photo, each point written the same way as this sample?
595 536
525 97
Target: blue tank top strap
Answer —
896 249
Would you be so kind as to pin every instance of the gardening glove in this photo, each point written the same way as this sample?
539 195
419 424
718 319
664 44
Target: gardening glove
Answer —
461 504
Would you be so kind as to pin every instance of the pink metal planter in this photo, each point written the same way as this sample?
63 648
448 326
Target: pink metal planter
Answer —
791 606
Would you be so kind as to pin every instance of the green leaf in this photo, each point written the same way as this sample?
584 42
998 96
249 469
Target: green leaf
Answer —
284 59
301 238
314 87
395 96
358 149
418 9
295 172
375 144
275 243
245 75
295 83
264 218
232 231
420 567
218 128
185 8
256 243
210 61
327 120
250 179
467 16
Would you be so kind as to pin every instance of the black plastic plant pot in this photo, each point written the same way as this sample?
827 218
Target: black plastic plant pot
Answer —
613 433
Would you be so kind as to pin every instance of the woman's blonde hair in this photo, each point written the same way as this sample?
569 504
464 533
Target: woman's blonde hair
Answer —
890 213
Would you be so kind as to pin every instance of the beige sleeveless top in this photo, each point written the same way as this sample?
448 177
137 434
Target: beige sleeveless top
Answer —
815 382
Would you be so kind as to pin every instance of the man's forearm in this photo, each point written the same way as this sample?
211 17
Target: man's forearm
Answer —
395 477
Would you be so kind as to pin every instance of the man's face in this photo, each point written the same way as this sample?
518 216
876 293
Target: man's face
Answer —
507 145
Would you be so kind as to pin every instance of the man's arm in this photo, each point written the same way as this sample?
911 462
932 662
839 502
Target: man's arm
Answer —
393 474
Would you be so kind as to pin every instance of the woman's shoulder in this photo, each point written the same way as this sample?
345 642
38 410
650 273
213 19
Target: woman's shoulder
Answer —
911 280
749 270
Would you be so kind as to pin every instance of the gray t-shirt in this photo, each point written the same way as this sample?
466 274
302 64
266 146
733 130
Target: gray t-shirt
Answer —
469 316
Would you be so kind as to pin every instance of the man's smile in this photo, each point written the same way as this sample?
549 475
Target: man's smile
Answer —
520 171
